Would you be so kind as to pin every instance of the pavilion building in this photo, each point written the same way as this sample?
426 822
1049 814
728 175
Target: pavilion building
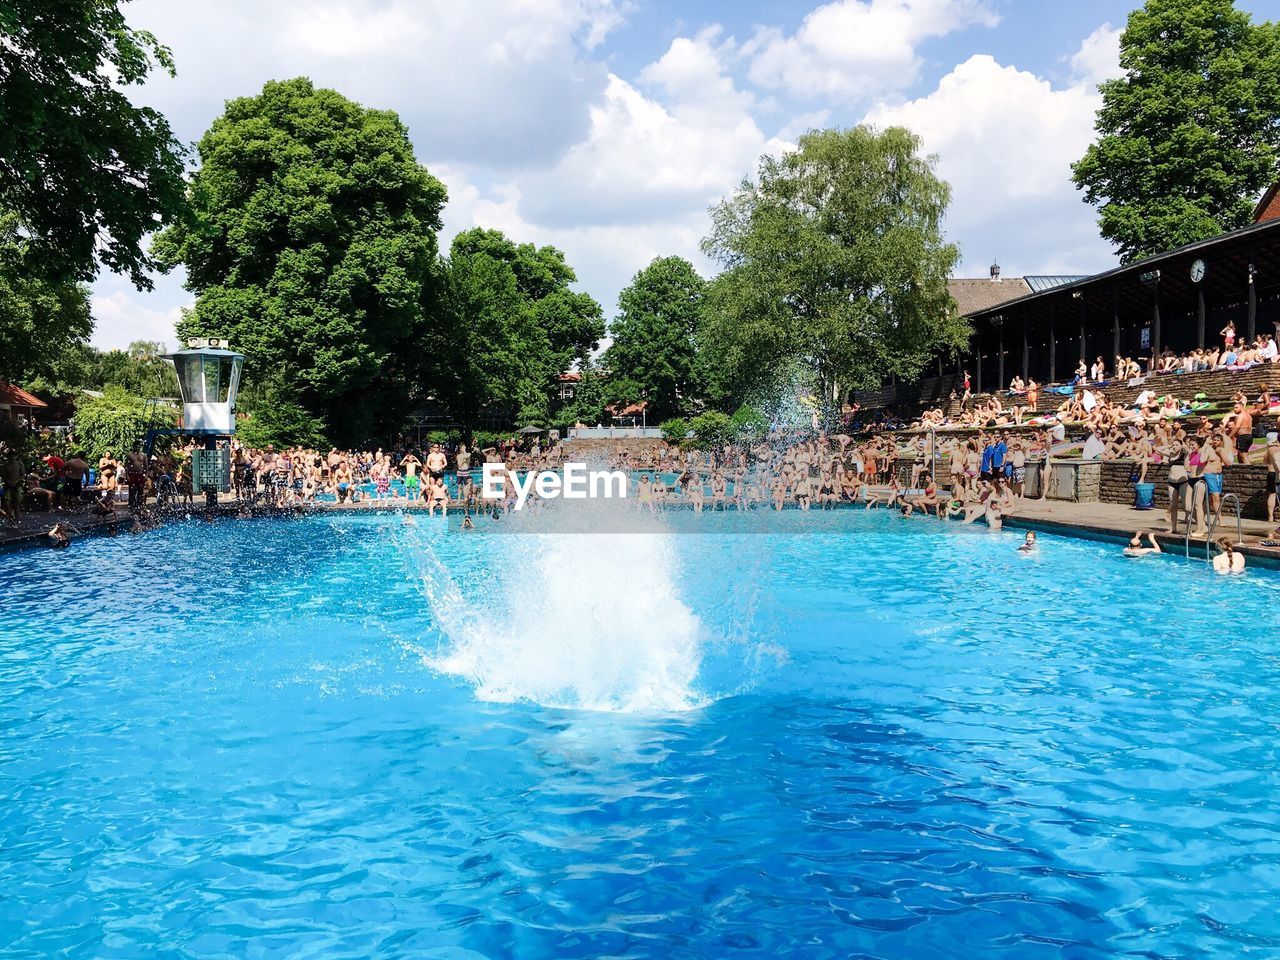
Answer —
1178 300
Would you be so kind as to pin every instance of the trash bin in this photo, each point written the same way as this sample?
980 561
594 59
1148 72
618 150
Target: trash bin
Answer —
1144 496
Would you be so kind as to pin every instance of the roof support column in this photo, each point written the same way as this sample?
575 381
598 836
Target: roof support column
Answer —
979 354
1115 329
1053 351
1200 314
1078 296
1253 304
1155 327
1026 353
1000 358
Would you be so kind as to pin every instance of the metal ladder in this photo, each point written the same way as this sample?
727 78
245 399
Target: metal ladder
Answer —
1217 517
1188 512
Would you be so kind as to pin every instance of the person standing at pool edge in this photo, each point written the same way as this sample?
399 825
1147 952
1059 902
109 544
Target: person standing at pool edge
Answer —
411 482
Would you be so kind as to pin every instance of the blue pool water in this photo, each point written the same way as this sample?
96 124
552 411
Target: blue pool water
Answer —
850 735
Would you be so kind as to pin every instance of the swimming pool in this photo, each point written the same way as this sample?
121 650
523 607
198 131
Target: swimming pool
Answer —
808 736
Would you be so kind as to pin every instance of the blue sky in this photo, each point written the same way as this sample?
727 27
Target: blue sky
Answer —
607 127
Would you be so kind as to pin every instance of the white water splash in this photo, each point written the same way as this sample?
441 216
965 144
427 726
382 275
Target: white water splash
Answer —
574 620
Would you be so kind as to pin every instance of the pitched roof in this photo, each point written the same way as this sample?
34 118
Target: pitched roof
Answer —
1038 283
1268 208
17 397
974 295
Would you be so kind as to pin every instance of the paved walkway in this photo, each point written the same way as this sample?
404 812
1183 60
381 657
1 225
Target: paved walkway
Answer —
1110 519
30 530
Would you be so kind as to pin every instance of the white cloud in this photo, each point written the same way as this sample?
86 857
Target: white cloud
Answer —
858 48
1006 140
511 104
604 255
503 83
646 160
1098 58
122 315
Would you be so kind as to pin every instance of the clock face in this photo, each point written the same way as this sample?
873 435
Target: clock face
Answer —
1197 271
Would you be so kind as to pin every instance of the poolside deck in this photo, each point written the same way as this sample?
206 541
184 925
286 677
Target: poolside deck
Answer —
1111 520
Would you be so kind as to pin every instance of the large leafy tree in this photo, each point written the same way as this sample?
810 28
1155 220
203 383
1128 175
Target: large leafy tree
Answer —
1190 135
311 245
835 260
140 369
516 325
41 318
653 355
88 173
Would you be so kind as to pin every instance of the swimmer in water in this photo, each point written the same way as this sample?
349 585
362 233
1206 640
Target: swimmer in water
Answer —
1229 560
1135 547
1029 545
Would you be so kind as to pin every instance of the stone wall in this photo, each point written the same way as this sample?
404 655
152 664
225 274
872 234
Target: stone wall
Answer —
1246 482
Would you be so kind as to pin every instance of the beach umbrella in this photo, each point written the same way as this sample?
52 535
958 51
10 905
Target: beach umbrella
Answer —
530 430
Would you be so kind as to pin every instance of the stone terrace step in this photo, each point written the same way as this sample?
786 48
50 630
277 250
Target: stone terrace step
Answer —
1216 385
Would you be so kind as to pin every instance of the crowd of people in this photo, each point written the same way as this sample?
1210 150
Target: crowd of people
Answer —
980 476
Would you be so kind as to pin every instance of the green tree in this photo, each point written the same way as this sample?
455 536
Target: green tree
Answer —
589 398
515 326
280 421
1190 135
710 429
834 257
113 421
88 173
311 246
40 318
675 430
140 369
653 355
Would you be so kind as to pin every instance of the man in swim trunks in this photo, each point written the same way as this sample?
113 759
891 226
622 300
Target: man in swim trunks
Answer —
437 496
12 473
436 462
1017 467
412 483
342 478
1241 430
135 473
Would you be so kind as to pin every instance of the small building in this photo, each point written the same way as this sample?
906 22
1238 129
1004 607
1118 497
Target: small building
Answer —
568 385
17 406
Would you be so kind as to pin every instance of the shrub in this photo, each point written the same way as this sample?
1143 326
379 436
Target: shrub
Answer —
675 430
113 421
280 421
749 423
482 439
711 428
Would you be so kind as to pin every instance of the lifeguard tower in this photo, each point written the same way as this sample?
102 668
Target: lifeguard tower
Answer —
208 379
